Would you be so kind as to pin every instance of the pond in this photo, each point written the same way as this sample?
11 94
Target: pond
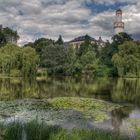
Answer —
104 103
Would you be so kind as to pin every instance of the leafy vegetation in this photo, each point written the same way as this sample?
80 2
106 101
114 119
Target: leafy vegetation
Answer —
57 59
7 35
41 131
119 58
127 60
16 61
88 60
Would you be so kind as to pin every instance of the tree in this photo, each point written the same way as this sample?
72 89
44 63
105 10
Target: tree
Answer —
60 40
89 62
22 61
107 52
31 44
86 46
8 35
105 57
9 58
57 58
127 60
39 44
120 38
29 62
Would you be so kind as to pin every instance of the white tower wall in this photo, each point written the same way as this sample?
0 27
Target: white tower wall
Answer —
118 25
119 30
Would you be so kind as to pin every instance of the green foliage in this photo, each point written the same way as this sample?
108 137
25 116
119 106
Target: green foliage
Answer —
89 63
7 35
13 131
86 46
107 52
57 59
29 62
41 131
41 44
15 60
121 38
9 58
127 60
60 40
88 60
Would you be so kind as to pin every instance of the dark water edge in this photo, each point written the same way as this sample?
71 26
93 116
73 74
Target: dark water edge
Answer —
125 92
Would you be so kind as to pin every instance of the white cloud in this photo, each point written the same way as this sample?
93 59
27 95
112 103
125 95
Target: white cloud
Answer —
71 18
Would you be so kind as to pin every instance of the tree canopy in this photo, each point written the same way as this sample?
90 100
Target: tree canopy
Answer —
60 40
16 61
119 58
127 60
7 35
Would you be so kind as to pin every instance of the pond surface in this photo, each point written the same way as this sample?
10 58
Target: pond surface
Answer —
122 92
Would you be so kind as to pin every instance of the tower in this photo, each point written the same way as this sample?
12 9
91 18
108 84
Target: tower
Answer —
118 24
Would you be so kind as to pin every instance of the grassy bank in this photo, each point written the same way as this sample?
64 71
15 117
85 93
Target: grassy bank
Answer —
41 131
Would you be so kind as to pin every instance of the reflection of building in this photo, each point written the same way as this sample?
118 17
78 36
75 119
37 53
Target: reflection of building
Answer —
79 40
118 24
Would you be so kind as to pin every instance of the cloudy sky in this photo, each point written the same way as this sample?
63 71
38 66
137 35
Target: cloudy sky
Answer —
70 18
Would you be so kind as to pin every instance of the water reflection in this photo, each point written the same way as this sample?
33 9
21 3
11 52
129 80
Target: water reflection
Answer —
118 115
123 91
115 90
126 90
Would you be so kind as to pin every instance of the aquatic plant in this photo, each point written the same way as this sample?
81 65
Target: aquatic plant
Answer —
41 131
13 131
91 108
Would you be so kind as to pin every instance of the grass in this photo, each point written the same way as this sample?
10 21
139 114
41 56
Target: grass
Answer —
41 131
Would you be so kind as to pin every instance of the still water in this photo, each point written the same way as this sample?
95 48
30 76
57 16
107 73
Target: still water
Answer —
125 92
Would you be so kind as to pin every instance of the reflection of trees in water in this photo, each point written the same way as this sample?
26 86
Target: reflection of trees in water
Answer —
52 87
13 88
120 90
117 117
126 90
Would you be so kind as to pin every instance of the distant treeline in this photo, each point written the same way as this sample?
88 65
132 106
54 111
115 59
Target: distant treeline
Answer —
119 58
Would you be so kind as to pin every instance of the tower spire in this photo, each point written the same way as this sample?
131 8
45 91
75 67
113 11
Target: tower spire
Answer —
118 24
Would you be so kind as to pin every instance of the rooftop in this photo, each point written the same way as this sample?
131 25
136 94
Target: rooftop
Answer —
83 38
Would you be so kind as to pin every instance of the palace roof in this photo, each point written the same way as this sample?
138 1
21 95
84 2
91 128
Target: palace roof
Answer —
83 38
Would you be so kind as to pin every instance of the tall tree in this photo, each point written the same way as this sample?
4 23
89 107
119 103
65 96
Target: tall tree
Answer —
60 40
